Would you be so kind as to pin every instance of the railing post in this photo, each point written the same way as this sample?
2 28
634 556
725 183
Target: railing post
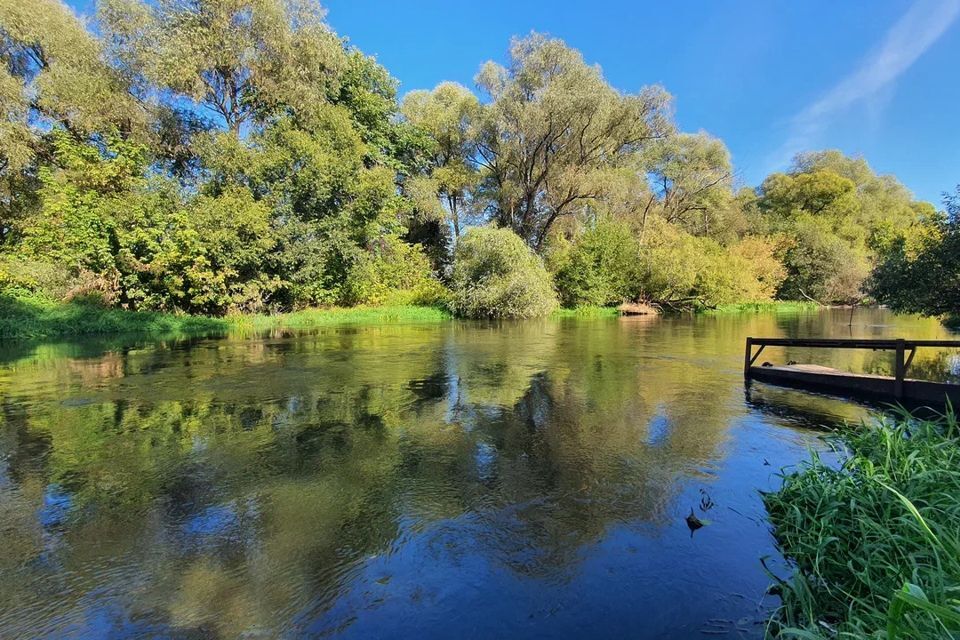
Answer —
746 358
899 369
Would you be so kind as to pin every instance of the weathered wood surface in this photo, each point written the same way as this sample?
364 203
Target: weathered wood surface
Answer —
895 388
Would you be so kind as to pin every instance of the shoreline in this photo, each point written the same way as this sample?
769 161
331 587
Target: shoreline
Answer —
31 319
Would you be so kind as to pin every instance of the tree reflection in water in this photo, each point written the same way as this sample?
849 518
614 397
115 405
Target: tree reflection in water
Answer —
377 481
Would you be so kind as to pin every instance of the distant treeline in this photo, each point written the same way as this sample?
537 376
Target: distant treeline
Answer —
225 156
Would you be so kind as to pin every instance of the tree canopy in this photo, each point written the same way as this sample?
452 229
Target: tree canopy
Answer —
238 155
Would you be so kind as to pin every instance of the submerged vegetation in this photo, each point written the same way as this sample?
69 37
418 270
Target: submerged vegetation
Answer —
875 541
220 157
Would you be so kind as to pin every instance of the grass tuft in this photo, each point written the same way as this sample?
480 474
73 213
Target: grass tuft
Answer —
586 312
876 542
775 306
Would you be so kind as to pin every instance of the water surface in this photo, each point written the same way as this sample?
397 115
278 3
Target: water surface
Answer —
466 480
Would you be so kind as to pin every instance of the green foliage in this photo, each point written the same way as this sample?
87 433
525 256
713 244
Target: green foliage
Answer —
393 272
691 176
680 270
920 271
838 214
599 268
555 134
821 266
495 275
221 156
875 541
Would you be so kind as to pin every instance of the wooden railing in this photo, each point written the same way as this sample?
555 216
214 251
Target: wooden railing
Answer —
899 346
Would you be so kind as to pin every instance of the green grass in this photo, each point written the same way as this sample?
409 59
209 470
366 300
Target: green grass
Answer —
776 306
310 318
31 317
586 312
876 542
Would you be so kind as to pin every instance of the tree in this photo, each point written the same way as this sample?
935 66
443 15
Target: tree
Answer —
239 59
691 179
599 267
448 116
53 74
920 273
554 133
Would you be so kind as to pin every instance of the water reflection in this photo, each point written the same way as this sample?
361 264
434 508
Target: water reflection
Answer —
458 480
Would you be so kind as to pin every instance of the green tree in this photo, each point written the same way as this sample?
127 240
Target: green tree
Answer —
692 177
448 116
238 59
554 133
599 267
920 273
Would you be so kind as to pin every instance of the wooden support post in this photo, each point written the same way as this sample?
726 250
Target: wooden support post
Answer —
899 369
747 360
906 365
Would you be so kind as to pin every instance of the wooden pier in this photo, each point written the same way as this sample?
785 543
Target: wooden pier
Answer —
896 388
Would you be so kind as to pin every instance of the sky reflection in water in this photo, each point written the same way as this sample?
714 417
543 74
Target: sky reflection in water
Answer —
454 480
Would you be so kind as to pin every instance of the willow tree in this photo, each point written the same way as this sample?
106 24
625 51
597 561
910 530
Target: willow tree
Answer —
53 74
691 178
239 59
448 117
555 132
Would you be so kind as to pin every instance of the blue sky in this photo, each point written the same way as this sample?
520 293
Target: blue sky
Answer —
770 77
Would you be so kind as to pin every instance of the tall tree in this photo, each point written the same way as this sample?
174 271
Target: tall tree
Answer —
239 59
448 116
691 178
52 74
555 131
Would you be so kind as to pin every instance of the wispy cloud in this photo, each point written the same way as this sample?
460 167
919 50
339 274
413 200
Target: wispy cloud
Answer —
912 35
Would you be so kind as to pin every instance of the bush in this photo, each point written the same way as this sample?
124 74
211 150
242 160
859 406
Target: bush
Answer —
598 268
496 275
822 266
683 271
393 272
42 279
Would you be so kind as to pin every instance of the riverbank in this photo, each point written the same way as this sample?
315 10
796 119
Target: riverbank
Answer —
31 317
776 306
875 541
34 318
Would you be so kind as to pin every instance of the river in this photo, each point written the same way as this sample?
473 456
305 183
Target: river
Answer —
453 480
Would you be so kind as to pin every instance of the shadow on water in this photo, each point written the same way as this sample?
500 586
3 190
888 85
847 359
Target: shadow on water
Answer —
464 479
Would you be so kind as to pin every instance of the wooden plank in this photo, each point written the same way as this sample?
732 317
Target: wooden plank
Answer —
899 370
853 343
856 384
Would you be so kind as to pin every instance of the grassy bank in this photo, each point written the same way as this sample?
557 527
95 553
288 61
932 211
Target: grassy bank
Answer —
586 312
875 542
25 317
775 306
33 317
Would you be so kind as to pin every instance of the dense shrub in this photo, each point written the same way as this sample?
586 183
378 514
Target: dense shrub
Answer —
393 272
598 268
496 275
683 271
822 266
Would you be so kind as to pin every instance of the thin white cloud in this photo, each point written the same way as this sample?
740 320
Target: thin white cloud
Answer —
912 35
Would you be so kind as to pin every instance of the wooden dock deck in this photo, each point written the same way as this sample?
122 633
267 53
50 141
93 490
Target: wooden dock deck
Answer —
896 388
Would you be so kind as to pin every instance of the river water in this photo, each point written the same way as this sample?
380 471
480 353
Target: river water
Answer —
454 480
